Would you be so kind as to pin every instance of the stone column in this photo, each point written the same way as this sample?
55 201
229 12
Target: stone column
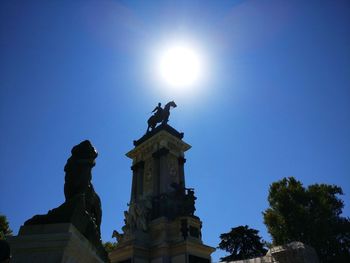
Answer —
159 158
155 174
181 162
161 168
137 181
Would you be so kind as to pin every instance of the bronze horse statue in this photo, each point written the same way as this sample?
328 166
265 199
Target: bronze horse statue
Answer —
162 116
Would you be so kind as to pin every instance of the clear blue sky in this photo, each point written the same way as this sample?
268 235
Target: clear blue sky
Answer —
276 102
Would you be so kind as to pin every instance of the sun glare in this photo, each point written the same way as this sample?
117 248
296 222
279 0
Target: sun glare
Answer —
180 66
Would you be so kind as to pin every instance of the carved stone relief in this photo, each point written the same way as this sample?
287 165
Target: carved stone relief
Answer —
173 169
148 178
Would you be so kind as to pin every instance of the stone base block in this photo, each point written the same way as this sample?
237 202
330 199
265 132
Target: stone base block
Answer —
165 242
294 252
185 251
51 243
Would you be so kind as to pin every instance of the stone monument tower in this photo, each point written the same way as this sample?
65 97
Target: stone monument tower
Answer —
160 224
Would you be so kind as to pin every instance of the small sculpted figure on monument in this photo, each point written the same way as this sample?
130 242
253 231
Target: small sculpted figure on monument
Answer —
180 202
184 199
137 217
160 116
143 208
189 205
117 236
82 206
126 227
184 228
132 218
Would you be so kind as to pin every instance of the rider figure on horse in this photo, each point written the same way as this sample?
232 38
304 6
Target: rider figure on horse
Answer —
158 111
160 115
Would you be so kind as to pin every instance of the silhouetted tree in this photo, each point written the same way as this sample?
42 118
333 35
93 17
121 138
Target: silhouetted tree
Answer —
310 215
109 246
4 227
242 242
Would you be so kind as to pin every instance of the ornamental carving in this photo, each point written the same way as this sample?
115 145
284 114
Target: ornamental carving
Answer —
173 168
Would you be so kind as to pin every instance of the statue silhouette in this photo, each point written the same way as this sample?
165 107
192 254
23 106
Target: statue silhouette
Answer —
160 116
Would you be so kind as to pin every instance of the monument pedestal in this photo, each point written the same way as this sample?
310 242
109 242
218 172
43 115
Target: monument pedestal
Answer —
182 252
167 241
160 224
56 243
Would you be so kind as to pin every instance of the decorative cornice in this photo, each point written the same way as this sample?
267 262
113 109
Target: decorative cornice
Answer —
165 127
159 140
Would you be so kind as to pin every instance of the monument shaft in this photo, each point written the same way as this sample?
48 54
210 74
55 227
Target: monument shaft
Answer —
160 224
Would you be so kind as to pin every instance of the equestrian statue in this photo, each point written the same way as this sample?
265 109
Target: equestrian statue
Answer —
160 115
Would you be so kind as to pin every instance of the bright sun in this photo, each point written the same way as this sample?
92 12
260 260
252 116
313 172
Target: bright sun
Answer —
180 65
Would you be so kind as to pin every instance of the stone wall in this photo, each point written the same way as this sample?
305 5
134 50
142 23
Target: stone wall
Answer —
295 252
59 243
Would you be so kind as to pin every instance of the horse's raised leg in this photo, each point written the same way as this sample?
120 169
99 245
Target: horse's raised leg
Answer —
166 119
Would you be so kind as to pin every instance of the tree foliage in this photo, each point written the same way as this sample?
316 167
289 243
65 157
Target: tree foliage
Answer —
242 242
109 246
4 227
311 215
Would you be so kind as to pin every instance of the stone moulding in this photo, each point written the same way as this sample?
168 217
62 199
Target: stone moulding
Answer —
160 140
165 127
